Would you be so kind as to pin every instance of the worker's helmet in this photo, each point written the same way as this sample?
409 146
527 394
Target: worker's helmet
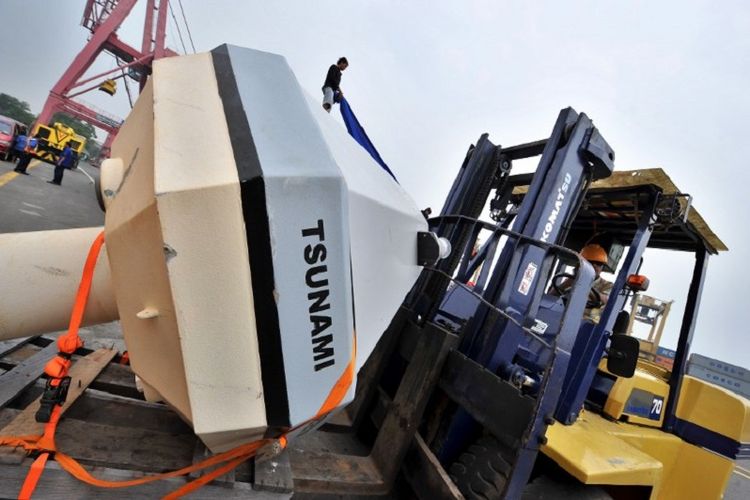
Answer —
594 253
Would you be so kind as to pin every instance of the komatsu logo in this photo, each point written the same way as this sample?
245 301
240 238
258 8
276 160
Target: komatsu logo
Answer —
318 293
561 193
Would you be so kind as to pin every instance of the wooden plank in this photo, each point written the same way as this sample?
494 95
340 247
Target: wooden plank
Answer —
24 374
83 371
201 453
124 447
426 476
332 473
274 474
56 484
8 346
23 352
117 379
7 415
102 408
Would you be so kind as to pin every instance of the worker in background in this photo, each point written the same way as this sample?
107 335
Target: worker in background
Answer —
65 161
26 155
19 144
597 257
331 87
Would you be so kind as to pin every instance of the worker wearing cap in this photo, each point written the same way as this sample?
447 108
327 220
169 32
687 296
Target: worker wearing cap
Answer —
66 160
597 257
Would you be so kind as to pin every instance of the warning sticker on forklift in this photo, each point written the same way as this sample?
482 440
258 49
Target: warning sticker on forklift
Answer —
528 278
539 326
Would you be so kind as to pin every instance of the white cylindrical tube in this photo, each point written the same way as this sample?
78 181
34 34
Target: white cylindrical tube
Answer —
39 276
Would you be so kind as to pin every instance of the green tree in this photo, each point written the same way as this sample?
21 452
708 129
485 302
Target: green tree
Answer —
16 109
82 128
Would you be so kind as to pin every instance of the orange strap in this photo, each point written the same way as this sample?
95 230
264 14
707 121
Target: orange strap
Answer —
58 367
230 459
32 478
238 454
342 385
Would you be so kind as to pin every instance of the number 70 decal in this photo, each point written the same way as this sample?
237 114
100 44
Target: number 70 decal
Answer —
656 407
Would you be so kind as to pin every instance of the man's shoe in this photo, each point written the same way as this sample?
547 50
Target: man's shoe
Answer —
53 182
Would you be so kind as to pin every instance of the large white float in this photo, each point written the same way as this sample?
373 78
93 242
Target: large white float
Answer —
256 252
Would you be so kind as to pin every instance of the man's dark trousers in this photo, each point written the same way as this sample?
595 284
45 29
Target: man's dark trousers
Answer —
23 163
59 169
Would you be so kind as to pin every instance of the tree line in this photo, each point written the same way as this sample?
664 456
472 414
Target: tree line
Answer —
19 110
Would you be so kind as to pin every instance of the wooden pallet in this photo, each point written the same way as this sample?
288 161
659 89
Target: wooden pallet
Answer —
109 428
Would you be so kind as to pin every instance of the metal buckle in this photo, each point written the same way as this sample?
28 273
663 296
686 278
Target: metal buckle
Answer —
53 395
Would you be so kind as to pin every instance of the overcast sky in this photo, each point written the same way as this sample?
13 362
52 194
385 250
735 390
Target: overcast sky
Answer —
667 84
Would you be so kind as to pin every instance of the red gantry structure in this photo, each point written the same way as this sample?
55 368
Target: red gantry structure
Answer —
103 18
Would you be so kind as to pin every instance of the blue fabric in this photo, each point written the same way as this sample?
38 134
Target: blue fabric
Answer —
20 142
359 134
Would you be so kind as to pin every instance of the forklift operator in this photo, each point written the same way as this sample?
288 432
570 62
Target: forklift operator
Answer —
601 288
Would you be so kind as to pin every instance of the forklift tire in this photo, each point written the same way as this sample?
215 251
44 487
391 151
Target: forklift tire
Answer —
481 471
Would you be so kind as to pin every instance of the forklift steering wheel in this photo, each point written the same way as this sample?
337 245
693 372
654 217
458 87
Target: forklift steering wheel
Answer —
594 300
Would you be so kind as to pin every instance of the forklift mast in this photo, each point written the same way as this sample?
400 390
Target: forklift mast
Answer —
507 323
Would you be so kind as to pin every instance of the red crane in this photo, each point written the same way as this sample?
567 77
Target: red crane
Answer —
103 18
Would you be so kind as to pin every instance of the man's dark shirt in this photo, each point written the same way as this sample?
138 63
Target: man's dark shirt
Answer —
333 78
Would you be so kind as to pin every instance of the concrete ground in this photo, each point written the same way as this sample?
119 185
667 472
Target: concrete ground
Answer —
739 485
28 203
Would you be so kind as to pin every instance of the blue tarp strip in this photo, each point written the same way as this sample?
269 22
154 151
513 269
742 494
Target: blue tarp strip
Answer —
359 134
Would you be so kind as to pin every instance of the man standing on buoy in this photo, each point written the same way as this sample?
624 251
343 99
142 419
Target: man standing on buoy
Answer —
331 89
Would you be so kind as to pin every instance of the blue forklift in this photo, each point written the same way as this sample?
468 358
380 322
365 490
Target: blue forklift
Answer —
492 382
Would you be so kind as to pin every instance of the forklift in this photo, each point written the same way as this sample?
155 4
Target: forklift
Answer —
506 390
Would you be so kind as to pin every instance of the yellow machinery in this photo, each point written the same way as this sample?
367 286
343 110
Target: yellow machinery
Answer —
631 439
108 87
52 140
630 454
